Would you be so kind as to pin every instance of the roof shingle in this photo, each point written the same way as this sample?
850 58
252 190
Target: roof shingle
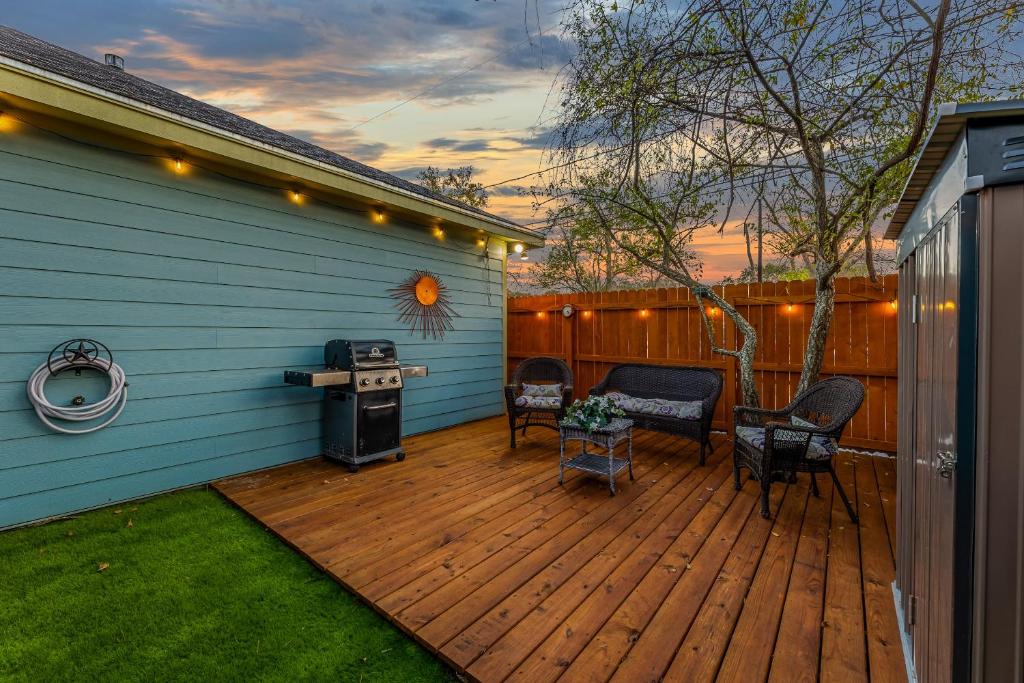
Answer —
32 51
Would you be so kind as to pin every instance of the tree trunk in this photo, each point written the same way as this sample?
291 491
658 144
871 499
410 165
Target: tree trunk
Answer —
821 322
869 257
748 385
745 354
609 257
750 253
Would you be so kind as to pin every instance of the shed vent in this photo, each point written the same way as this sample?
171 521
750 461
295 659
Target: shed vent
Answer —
116 61
1013 153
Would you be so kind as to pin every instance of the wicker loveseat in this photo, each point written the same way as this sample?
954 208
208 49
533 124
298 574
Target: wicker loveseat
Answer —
671 387
540 411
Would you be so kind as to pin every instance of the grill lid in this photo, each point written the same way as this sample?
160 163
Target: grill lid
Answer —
345 354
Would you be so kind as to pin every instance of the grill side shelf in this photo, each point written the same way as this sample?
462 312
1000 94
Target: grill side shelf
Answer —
317 378
413 371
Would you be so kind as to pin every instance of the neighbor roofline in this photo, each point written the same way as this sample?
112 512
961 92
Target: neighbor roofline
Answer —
91 105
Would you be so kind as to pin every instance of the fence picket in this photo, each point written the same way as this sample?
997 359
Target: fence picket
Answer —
663 326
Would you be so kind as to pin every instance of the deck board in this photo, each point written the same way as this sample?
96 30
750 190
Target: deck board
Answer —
477 552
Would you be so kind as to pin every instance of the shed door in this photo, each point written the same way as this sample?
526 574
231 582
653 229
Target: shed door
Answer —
937 262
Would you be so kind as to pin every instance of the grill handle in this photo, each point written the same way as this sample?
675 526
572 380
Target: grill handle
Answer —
381 407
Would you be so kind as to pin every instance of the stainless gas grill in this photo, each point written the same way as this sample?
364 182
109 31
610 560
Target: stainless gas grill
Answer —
362 383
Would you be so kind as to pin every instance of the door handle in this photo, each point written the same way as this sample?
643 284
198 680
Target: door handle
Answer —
946 464
381 406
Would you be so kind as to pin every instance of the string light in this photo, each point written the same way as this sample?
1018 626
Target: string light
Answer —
893 304
540 314
9 122
481 242
439 232
789 308
644 313
586 314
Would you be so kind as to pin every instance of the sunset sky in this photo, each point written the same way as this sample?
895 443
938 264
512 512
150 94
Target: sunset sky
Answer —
321 70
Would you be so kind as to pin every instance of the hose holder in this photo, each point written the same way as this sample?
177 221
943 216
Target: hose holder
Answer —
77 355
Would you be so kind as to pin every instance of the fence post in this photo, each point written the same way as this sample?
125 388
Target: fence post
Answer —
569 340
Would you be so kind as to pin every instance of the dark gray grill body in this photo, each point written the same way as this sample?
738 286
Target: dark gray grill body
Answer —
362 404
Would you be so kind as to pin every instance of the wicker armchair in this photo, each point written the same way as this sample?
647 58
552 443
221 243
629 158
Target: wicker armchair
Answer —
537 370
768 443
674 383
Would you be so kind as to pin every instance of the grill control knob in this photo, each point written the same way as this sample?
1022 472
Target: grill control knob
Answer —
380 380
364 382
394 379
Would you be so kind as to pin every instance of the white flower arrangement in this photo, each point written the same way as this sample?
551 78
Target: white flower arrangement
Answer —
591 414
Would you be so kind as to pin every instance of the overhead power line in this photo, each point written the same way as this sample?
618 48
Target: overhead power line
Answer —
772 175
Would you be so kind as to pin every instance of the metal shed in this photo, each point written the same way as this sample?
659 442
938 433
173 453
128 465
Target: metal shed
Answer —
960 574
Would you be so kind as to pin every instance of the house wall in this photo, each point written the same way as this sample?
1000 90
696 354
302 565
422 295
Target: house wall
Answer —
205 288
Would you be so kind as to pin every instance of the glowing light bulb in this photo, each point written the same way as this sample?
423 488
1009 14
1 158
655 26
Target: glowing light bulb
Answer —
518 248
644 313
295 197
378 216
179 166
789 308
893 304
439 232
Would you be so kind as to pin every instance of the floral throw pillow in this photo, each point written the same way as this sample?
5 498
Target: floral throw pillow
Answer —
544 390
657 406
784 438
545 402
826 444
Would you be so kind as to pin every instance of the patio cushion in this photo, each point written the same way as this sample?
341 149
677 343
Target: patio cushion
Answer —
545 390
826 442
784 438
541 402
656 406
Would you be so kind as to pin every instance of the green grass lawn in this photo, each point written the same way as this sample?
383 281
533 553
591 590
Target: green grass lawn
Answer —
190 589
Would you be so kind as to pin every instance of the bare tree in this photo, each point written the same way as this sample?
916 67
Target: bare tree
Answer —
815 108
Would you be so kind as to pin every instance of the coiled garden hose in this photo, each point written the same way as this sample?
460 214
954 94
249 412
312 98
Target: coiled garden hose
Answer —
115 399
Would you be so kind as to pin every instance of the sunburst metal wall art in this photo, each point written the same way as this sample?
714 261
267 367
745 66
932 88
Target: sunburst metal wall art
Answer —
423 303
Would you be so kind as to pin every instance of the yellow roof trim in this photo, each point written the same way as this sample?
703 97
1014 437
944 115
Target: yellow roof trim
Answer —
95 107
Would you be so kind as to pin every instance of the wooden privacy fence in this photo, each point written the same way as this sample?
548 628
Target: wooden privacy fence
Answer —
663 326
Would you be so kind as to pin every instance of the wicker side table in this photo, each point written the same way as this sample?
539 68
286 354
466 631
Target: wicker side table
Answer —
609 436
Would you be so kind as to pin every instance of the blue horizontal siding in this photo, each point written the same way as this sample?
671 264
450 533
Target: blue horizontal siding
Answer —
12 394
206 289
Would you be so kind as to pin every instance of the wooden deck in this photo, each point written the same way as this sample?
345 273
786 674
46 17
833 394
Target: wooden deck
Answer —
477 552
